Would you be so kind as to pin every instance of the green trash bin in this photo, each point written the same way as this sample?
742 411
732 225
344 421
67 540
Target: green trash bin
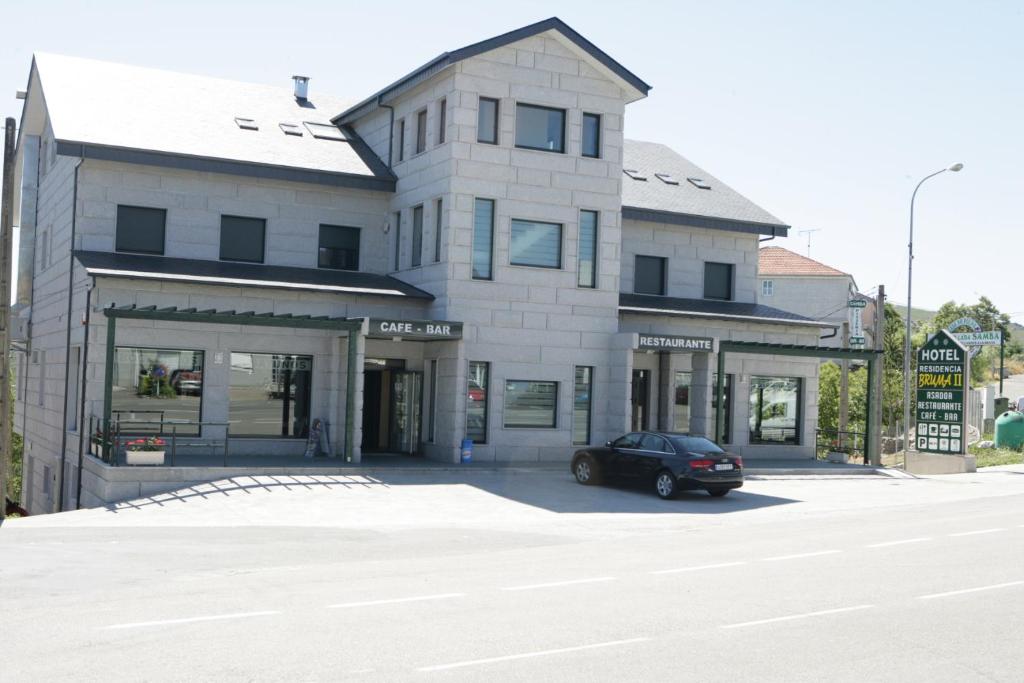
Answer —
1010 430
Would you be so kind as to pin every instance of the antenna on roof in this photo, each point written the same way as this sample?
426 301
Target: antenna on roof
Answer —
808 233
301 87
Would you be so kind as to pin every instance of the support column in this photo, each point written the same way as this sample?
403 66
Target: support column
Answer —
666 385
720 399
354 393
702 419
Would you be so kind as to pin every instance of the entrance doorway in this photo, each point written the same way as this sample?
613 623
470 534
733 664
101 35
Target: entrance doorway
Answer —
392 407
641 399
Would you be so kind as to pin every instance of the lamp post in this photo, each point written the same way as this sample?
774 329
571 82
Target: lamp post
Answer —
906 346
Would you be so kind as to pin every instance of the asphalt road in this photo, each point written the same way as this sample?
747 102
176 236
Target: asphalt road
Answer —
524 577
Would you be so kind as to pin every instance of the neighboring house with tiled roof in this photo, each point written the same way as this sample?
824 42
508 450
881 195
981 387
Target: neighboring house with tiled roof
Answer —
801 285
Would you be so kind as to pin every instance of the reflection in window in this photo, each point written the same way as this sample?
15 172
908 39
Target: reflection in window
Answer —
726 403
535 244
585 265
269 394
476 402
583 390
681 422
530 404
483 238
156 387
339 247
649 275
775 410
540 128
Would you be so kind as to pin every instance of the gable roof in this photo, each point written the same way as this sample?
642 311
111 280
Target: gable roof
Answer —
777 261
139 115
446 59
719 207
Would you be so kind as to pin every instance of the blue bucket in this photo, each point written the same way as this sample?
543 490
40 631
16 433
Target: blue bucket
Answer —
467 451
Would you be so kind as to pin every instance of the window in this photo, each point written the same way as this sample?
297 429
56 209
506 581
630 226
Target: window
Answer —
339 247
154 386
401 140
242 239
699 183
398 240
438 215
421 132
690 444
71 404
681 421
442 120
291 129
476 401
649 275
487 121
536 244
540 128
324 131
586 263
483 239
269 395
634 174
631 440
767 287
651 442
726 404
246 124
140 229
666 178
591 135
775 410
431 415
583 391
718 281
417 235
530 404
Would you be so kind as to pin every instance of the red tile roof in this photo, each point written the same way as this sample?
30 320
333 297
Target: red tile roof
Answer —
779 261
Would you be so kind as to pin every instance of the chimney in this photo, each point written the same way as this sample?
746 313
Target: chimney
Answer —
301 87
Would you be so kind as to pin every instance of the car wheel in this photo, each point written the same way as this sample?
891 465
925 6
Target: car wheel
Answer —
717 493
665 485
586 471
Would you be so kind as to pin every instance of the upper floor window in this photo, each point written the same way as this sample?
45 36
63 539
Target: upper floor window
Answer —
242 239
401 140
339 247
417 236
718 281
483 239
487 121
587 257
767 287
540 128
421 132
536 244
442 120
591 135
398 240
140 229
649 275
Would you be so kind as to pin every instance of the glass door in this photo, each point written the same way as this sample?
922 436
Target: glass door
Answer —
641 397
406 411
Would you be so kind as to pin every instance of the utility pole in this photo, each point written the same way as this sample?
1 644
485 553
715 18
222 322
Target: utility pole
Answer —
844 386
6 230
875 437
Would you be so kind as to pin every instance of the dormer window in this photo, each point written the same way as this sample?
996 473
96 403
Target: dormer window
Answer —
699 183
634 174
246 124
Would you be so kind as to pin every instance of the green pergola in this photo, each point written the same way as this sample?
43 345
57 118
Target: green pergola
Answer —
871 356
192 315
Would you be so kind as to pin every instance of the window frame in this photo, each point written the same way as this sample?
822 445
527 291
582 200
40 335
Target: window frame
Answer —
663 260
312 375
563 112
497 119
731 281
401 140
202 390
263 239
487 398
676 385
442 120
597 133
767 287
320 236
594 246
590 404
727 387
561 244
421 132
416 258
554 407
473 244
163 235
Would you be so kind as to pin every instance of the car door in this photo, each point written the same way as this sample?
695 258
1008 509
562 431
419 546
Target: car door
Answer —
650 456
622 453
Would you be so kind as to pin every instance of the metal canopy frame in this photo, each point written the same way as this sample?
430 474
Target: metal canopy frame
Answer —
871 356
192 315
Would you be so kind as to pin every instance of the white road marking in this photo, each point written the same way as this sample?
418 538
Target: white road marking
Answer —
697 569
791 617
556 584
921 539
800 555
970 590
527 655
975 533
189 620
394 601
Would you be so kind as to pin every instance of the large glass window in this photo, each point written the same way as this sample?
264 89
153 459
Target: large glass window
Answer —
487 121
726 404
156 387
140 229
417 236
476 401
483 239
536 244
242 239
649 275
530 404
718 281
681 422
591 135
587 259
269 394
540 128
339 247
775 410
581 400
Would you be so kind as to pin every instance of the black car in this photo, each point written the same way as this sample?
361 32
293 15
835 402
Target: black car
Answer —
669 461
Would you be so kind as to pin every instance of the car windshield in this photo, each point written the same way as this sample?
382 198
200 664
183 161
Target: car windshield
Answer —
695 444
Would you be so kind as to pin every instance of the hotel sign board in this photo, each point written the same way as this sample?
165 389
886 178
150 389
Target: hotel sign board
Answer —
414 330
943 378
677 343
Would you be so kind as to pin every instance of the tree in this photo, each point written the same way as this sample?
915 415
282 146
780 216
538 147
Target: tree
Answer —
989 317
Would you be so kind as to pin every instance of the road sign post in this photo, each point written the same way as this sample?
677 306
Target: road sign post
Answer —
943 383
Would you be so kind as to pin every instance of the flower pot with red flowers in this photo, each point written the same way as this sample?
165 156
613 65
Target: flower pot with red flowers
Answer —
146 451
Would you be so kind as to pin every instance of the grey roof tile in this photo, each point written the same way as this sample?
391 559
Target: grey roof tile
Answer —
707 308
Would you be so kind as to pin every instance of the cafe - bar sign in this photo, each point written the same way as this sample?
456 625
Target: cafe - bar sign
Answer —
943 376
675 342
416 330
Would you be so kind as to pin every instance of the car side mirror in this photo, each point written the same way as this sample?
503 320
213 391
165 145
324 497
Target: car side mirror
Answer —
607 444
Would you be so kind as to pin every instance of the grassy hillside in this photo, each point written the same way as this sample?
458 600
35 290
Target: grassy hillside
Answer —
917 314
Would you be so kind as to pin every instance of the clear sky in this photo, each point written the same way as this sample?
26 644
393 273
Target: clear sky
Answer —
825 113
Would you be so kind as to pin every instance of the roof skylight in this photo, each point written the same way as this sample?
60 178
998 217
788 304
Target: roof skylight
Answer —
324 131
699 182
246 124
634 174
666 178
291 129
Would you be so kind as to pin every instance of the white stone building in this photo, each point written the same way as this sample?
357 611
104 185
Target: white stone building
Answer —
474 251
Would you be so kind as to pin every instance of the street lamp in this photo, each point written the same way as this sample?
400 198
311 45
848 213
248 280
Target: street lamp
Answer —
906 346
